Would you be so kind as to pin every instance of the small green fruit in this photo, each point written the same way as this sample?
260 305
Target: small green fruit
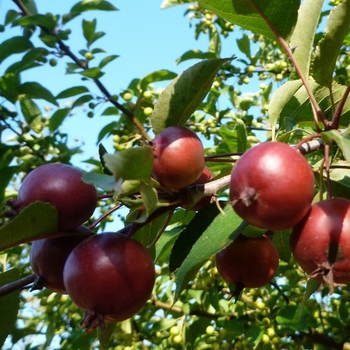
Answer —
88 55
127 96
148 111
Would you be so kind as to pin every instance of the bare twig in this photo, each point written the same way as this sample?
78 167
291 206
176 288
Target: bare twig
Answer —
19 284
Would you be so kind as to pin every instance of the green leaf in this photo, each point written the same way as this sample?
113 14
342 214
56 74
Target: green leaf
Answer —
255 335
105 334
17 44
195 54
212 237
31 112
45 21
281 242
103 181
282 15
302 39
342 141
93 73
11 15
82 100
147 234
182 97
37 91
89 28
31 6
244 45
107 130
111 111
236 138
159 75
131 163
107 60
9 305
289 317
340 179
149 197
57 118
6 175
88 5
48 39
9 86
101 152
328 48
311 287
33 222
280 99
73 91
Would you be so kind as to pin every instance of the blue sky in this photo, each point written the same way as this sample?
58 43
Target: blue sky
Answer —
146 37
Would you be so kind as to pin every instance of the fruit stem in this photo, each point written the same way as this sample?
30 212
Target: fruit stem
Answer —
328 174
102 217
337 113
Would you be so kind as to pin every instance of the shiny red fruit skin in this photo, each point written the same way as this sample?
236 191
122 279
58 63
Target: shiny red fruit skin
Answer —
325 228
48 257
62 186
110 274
248 262
206 176
272 186
178 157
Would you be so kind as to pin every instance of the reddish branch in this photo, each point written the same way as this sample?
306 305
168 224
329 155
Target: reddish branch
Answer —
19 284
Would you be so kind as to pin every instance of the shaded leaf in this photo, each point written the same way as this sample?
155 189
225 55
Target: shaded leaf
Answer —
289 316
111 111
131 163
302 40
107 60
213 236
89 28
88 5
57 118
281 242
328 48
184 94
9 305
73 91
236 138
195 54
282 15
37 91
82 100
159 75
103 181
9 86
101 152
34 221
47 22
342 141
6 175
93 73
17 44
149 197
31 111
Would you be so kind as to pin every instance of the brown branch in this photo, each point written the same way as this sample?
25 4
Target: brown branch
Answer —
19 284
83 65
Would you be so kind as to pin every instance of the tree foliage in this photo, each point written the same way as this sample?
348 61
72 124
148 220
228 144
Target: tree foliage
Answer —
302 99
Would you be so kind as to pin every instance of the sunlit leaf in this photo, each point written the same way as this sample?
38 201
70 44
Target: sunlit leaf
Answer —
302 40
342 141
282 15
328 48
131 163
